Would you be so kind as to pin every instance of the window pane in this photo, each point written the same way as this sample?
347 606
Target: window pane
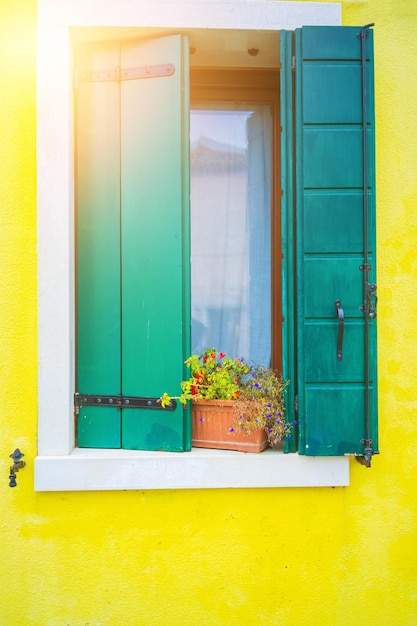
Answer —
231 230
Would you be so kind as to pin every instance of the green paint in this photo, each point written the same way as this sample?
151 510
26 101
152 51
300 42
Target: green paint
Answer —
329 239
98 249
289 360
137 291
155 143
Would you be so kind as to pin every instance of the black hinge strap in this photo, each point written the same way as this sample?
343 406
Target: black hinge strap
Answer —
131 73
120 402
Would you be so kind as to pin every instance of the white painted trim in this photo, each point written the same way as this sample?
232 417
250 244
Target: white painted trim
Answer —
55 191
184 14
58 463
92 470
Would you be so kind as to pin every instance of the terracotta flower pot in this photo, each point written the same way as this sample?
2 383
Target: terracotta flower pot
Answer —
211 423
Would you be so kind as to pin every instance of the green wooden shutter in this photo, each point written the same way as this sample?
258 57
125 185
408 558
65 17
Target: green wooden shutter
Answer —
336 397
133 241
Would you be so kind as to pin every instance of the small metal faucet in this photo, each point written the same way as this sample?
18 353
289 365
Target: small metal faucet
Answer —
17 465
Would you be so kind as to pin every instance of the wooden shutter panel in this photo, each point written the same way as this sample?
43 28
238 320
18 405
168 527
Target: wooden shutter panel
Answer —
98 246
155 242
151 241
336 393
288 231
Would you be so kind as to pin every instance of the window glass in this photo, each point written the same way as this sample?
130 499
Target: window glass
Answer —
231 230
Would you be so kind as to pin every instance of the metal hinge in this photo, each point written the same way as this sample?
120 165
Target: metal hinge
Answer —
118 74
296 404
119 402
371 299
293 63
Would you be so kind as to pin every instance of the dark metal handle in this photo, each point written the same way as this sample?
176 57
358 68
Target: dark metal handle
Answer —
341 315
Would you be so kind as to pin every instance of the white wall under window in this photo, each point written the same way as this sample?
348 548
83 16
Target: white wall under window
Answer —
59 465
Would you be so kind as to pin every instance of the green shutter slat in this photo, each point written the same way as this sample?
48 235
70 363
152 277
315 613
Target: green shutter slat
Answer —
98 248
287 228
155 243
330 240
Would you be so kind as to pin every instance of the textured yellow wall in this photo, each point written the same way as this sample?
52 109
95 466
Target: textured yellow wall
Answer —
330 557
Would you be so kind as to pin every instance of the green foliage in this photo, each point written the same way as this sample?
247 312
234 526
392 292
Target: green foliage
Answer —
213 376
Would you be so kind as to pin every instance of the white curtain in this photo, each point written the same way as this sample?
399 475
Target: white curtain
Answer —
231 231
259 216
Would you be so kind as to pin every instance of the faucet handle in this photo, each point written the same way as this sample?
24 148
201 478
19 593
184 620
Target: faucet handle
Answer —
16 455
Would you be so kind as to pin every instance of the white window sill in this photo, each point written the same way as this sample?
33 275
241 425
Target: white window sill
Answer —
104 470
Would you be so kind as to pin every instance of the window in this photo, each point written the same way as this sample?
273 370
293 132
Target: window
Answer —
133 235
124 463
231 230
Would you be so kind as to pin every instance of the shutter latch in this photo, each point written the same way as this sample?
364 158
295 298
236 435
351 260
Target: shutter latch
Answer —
371 299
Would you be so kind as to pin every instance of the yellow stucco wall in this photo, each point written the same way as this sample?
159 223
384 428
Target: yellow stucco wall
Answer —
246 557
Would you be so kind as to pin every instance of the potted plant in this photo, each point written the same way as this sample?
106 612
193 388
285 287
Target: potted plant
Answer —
234 405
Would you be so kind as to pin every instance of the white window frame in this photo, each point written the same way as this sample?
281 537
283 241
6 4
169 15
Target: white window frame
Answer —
59 465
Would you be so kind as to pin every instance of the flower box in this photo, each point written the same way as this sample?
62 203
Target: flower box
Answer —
212 427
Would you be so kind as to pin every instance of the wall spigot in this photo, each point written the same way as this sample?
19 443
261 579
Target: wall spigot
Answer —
17 465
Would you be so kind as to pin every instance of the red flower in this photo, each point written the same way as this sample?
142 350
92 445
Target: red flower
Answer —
193 390
205 359
222 355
